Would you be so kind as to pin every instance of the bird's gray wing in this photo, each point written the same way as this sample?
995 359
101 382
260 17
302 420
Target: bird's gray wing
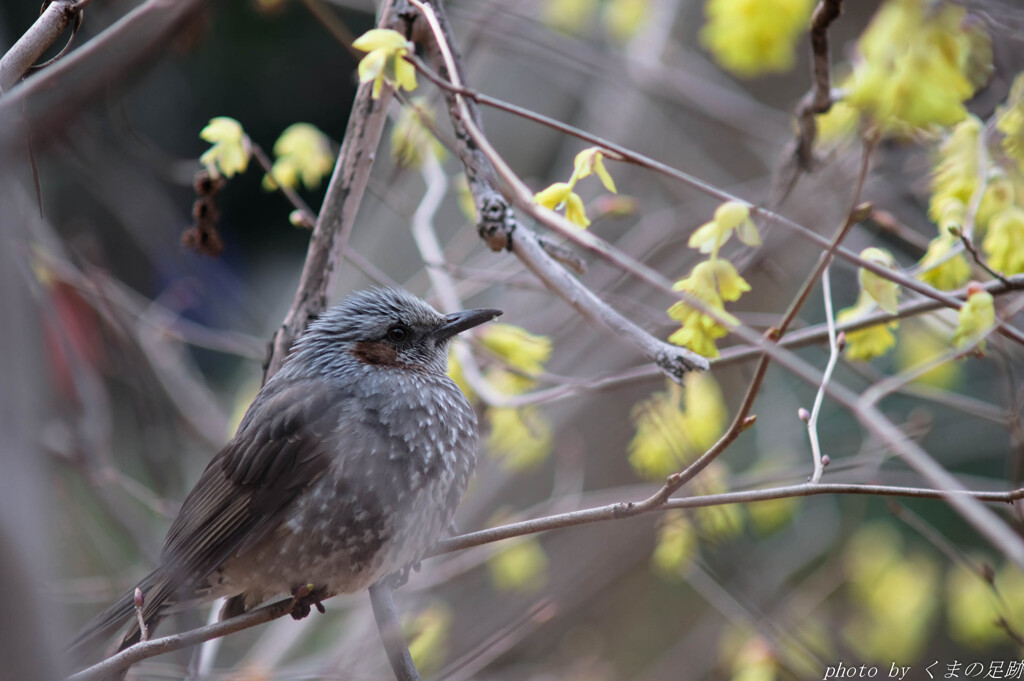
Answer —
281 447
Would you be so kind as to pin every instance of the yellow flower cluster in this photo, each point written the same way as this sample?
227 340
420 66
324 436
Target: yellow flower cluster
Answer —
913 68
976 319
385 60
920 344
895 592
561 194
977 609
998 223
875 292
714 281
1010 122
675 426
230 151
676 547
520 566
751 37
303 153
1004 242
519 437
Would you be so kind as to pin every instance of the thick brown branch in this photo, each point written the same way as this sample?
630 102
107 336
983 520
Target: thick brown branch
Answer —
338 212
52 22
56 94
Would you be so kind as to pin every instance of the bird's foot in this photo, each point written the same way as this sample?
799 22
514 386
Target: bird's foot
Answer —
400 577
304 598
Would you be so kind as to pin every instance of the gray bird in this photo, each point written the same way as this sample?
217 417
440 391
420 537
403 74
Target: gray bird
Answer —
346 468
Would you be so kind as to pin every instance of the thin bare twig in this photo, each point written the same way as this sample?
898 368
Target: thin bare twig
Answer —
117 664
621 510
598 246
308 216
799 155
382 599
833 359
674 361
979 259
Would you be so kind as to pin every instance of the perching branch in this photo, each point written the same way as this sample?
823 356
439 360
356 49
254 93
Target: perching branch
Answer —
141 651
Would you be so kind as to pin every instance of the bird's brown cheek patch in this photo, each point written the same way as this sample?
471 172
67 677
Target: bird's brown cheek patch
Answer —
376 353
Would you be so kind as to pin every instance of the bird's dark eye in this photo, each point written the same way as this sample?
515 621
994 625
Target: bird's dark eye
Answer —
398 333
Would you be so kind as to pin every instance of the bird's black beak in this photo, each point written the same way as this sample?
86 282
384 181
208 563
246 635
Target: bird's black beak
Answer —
460 321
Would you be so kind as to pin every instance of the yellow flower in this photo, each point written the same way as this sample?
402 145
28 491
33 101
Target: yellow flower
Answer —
520 438
955 173
873 341
521 349
521 566
976 319
751 37
918 345
712 282
897 611
971 608
705 409
1010 122
732 216
574 211
943 271
662 442
669 435
411 139
384 61
559 194
553 196
303 153
230 151
1004 241
773 514
912 69
894 594
883 291
591 161
676 547
717 522
997 197
699 331
838 124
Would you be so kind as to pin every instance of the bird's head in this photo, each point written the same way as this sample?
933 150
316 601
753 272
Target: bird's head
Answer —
386 327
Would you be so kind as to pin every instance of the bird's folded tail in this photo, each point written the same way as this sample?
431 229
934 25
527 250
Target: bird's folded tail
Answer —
157 594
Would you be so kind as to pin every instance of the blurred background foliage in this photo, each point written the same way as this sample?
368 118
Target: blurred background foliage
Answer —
153 352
